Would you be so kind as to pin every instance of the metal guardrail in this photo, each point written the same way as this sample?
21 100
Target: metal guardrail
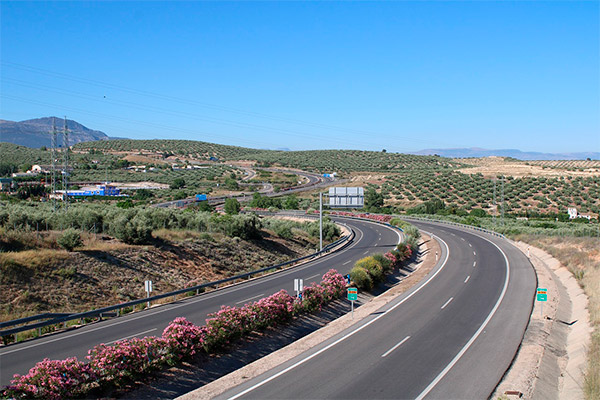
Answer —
475 228
62 318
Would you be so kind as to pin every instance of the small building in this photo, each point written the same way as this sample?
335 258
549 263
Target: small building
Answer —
101 190
572 212
6 184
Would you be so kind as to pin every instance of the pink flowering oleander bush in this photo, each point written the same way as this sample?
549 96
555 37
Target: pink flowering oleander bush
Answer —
125 361
182 339
313 298
374 217
334 283
231 323
52 379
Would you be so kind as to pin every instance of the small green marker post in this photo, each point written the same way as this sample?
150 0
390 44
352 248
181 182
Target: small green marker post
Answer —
542 296
352 296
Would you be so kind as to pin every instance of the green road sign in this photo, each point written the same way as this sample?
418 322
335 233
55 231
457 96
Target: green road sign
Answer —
542 294
352 294
542 297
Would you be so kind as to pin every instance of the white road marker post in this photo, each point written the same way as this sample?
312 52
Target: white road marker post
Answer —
299 287
148 287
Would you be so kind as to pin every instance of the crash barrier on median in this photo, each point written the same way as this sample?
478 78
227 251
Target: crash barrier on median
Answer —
57 319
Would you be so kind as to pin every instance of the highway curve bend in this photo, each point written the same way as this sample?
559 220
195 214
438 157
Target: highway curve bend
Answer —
452 336
19 358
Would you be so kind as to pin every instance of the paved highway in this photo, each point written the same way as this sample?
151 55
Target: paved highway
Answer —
452 336
19 358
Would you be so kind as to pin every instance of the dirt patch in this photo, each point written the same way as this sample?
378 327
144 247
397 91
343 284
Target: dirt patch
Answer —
106 271
141 159
491 167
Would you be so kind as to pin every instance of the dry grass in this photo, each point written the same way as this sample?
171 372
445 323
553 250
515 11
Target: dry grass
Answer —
34 259
582 257
493 166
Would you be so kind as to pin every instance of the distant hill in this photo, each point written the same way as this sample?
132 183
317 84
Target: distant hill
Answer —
36 132
514 153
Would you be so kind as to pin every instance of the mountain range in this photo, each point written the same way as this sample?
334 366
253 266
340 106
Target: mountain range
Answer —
513 153
36 132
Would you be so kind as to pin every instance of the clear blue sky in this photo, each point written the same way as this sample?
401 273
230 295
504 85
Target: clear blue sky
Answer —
367 75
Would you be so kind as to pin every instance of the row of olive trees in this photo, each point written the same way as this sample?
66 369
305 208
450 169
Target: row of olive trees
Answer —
133 225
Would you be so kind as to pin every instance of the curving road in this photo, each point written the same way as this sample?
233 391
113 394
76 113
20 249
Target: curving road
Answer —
453 336
19 358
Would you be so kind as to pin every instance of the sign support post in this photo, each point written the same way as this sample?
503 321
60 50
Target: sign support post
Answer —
542 296
299 287
148 287
352 296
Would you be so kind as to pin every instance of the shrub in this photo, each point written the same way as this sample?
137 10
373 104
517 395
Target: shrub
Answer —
232 206
183 339
386 264
126 359
374 269
361 278
52 379
69 239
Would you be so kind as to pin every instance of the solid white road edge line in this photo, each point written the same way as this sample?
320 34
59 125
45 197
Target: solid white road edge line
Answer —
476 335
446 303
349 334
130 336
396 346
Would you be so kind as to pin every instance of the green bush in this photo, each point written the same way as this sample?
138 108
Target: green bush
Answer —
374 269
232 206
69 239
361 278
385 263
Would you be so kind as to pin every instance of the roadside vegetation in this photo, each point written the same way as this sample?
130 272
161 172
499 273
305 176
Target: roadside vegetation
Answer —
114 367
93 255
369 271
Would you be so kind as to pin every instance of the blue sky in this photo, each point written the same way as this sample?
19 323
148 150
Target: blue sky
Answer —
403 76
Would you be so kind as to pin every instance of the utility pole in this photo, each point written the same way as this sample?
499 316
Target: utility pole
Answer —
53 149
320 221
66 160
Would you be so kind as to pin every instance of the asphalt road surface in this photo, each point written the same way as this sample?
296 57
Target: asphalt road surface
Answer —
451 337
19 358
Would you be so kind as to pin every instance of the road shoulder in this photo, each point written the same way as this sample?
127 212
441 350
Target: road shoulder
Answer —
552 357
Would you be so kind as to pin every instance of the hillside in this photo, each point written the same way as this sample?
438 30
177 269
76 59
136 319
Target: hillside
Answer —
326 161
36 132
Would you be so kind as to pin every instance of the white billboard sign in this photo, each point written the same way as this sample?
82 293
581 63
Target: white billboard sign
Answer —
346 197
